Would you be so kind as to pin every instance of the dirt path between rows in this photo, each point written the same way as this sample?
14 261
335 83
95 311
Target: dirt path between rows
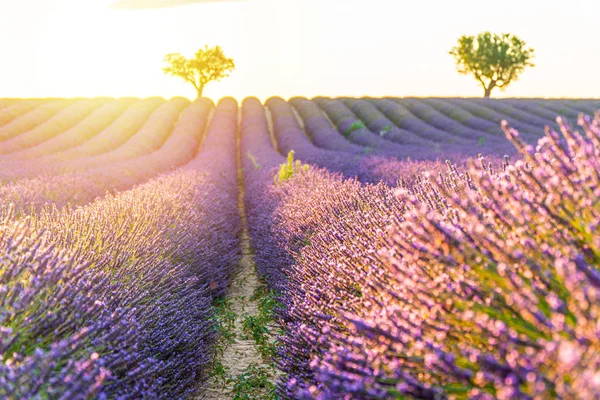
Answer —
242 353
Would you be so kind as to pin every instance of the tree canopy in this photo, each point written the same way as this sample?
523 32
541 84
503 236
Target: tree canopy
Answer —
494 60
208 64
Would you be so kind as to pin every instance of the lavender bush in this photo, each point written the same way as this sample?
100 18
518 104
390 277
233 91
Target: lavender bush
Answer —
481 284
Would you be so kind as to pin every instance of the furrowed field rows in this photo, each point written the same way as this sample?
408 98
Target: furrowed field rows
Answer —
346 122
12 110
60 122
122 131
377 122
137 160
32 118
96 122
327 248
290 135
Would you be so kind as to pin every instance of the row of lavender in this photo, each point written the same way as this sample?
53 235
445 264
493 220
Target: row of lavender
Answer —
476 284
113 299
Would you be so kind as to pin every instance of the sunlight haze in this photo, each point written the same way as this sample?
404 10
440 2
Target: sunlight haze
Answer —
74 48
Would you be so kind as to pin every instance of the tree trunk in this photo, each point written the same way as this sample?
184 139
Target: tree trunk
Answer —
488 89
200 90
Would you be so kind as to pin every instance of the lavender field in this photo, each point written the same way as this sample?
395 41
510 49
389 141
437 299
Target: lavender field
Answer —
429 248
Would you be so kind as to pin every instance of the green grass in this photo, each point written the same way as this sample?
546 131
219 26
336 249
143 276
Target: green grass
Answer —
356 125
289 168
386 129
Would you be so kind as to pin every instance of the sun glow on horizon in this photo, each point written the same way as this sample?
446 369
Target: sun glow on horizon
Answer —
63 48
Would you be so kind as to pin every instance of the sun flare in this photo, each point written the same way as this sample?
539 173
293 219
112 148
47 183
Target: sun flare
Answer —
70 48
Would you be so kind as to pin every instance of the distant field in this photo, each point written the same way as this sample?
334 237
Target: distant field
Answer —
87 136
123 220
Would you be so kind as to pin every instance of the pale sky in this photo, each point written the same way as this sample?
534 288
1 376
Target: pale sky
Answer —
85 48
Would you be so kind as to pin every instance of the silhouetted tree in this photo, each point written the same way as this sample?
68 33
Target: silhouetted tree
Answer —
495 60
208 64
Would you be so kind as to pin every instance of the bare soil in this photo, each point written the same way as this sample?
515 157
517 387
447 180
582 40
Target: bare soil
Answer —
241 353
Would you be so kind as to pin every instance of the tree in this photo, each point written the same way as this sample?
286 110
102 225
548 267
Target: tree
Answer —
208 64
494 60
